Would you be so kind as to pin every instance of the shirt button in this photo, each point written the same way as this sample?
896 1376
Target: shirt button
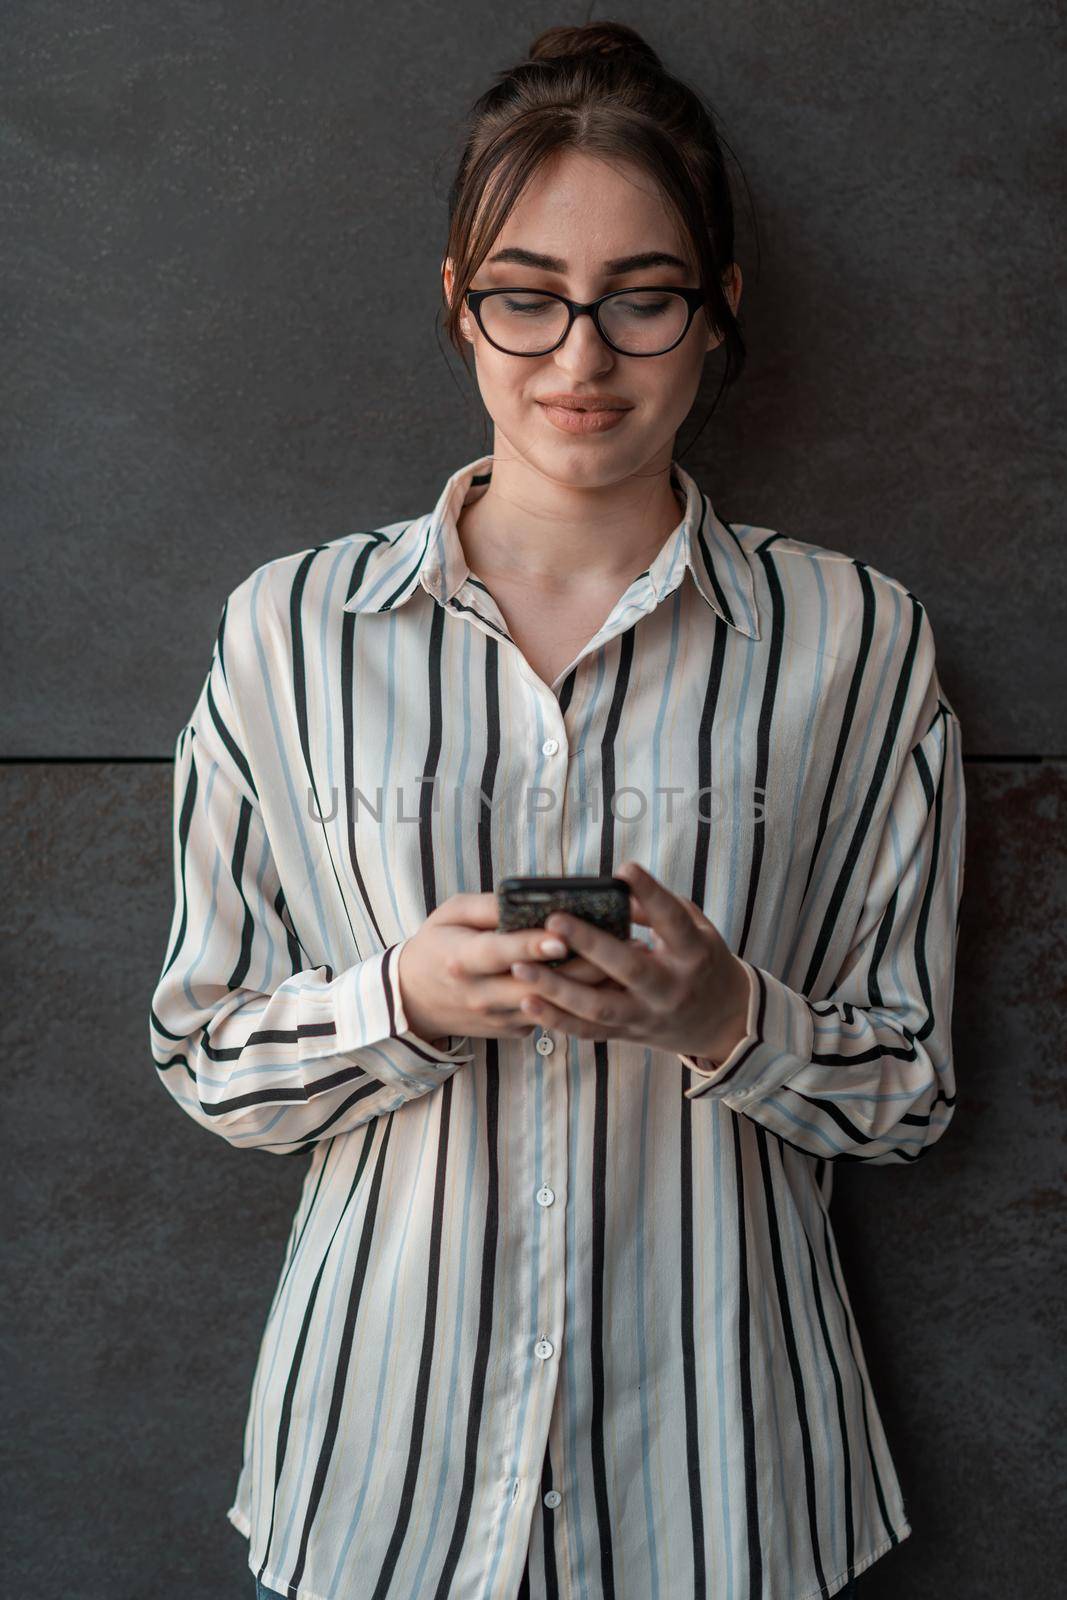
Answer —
545 1195
550 747
544 1044
553 1498
543 1348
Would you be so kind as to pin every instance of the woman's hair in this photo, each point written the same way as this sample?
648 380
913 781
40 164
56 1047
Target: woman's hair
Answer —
600 88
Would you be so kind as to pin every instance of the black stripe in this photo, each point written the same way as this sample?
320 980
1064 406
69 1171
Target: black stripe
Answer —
830 1360
490 762
421 1396
185 819
871 1459
234 1052
486 1303
861 831
846 725
236 753
712 690
237 868
598 1330
709 564
431 760
343 1369
297 953
300 705
348 632
687 1319
687 1223
298 1095
411 577
623 671
785 1316
461 609
301 1224
747 1376
548 1530
933 867
763 744
296 1359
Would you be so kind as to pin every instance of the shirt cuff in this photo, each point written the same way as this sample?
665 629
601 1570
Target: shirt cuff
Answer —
371 1019
778 1041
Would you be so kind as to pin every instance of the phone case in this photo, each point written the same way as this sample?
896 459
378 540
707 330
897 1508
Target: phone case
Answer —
603 902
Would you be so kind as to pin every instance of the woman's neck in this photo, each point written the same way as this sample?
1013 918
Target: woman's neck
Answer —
525 528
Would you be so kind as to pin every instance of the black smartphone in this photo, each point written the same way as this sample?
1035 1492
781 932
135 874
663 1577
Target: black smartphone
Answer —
526 902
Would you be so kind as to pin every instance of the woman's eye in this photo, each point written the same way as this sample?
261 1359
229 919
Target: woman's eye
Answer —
645 308
525 306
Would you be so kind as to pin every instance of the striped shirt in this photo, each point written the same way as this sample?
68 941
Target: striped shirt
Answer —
564 1317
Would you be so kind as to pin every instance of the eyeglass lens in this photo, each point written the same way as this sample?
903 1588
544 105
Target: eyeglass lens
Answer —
638 321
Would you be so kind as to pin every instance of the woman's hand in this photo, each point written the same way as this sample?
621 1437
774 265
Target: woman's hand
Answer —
688 994
455 971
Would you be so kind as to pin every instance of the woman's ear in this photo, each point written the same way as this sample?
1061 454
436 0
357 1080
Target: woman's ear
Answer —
448 279
732 285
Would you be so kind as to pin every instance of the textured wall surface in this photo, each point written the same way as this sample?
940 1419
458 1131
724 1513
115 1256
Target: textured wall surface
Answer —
221 259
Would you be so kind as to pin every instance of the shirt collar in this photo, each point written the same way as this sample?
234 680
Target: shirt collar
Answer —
428 552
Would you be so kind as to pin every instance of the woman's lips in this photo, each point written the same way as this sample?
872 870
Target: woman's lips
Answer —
569 420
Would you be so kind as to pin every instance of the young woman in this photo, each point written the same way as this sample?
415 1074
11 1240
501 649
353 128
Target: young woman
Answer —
561 1311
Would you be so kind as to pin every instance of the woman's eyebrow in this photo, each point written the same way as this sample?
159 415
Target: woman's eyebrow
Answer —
614 268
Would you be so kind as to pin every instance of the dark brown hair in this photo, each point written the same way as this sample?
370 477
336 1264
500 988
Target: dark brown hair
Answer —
597 87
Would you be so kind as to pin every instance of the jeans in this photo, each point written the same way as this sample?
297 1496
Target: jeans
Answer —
263 1593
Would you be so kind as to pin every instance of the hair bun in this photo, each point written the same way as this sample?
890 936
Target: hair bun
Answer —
604 39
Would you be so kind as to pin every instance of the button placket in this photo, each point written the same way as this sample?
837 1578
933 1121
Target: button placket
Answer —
549 858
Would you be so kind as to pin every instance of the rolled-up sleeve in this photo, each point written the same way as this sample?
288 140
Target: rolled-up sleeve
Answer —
252 1042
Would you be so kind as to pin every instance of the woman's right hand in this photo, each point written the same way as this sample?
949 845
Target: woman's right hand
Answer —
455 972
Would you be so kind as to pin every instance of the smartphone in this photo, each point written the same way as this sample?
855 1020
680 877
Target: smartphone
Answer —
526 902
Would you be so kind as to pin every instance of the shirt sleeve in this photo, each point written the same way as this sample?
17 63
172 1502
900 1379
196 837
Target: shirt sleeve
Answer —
250 1040
866 1073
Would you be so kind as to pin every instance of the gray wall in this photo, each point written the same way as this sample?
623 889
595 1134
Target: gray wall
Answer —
221 255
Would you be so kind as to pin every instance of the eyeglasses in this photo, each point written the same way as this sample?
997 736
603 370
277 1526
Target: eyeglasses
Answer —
634 322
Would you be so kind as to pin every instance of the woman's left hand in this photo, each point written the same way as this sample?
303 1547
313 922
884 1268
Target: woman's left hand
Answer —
688 993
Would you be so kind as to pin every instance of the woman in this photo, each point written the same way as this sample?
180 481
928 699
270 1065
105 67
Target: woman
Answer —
561 1311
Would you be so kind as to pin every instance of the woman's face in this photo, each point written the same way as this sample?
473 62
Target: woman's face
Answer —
586 214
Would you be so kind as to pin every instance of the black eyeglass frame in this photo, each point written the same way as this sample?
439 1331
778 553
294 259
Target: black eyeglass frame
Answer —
694 299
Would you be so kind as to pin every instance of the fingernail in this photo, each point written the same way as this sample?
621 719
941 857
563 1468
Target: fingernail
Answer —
553 947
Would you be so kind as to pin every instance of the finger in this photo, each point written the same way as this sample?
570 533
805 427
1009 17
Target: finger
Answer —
638 910
576 967
498 998
667 911
472 909
474 960
581 970
546 1014
493 951
610 1005
628 962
